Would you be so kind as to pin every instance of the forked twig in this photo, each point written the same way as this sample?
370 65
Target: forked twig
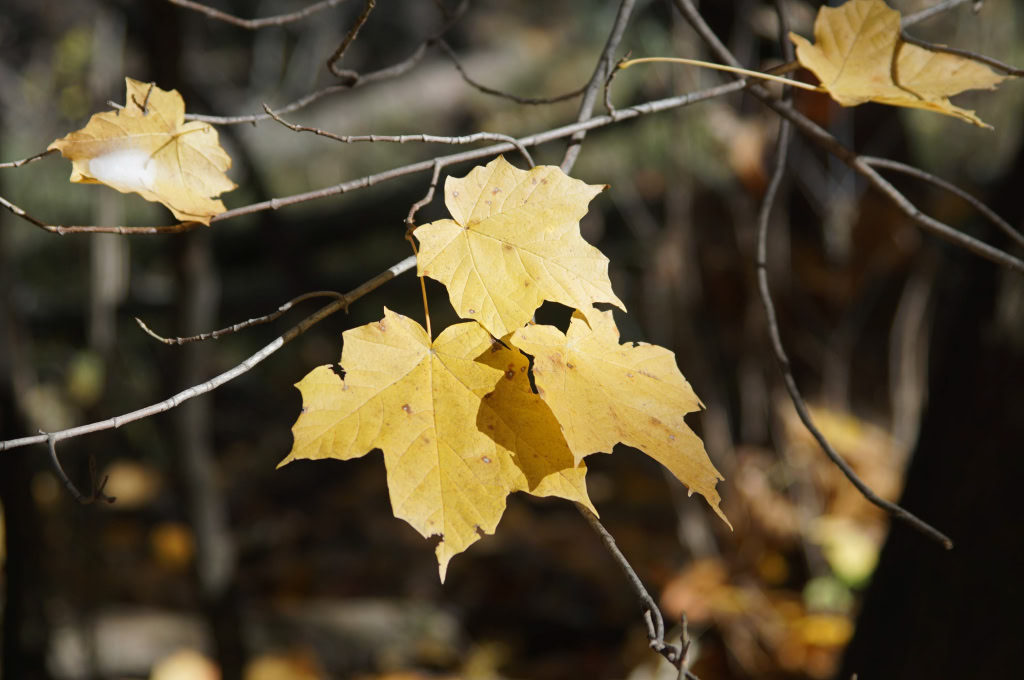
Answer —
986 211
96 491
604 65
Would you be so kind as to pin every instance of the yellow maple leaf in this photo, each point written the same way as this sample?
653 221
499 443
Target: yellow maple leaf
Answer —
147 148
514 241
604 393
456 419
858 51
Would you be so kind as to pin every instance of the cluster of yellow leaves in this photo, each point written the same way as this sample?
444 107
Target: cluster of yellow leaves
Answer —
147 148
859 56
456 417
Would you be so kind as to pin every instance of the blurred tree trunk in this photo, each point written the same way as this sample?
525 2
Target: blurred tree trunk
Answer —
26 630
936 614
195 464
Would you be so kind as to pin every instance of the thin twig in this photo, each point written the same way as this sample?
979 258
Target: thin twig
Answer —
410 219
653 620
26 161
405 139
966 54
646 108
986 212
601 70
96 491
254 24
929 12
212 384
689 11
447 50
124 231
332 63
273 316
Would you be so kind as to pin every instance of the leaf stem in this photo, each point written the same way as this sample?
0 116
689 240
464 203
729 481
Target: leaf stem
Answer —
720 67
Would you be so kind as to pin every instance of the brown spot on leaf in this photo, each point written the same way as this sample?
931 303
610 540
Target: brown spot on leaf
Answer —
496 190
510 374
655 421
522 369
487 396
471 310
486 460
405 407
568 365
455 194
629 375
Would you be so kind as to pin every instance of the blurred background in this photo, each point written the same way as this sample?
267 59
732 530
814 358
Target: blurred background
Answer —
212 563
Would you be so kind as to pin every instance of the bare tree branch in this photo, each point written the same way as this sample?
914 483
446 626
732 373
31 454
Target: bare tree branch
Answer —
212 384
601 70
910 170
447 50
828 141
966 54
404 139
655 106
255 24
689 11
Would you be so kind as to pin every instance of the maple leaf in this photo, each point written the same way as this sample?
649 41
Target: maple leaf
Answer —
604 393
514 241
147 148
456 419
858 51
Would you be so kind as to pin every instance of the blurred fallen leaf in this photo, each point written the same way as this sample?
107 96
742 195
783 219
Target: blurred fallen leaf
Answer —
185 664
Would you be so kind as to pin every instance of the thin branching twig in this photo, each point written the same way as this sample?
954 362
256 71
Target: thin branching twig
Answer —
273 316
332 62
